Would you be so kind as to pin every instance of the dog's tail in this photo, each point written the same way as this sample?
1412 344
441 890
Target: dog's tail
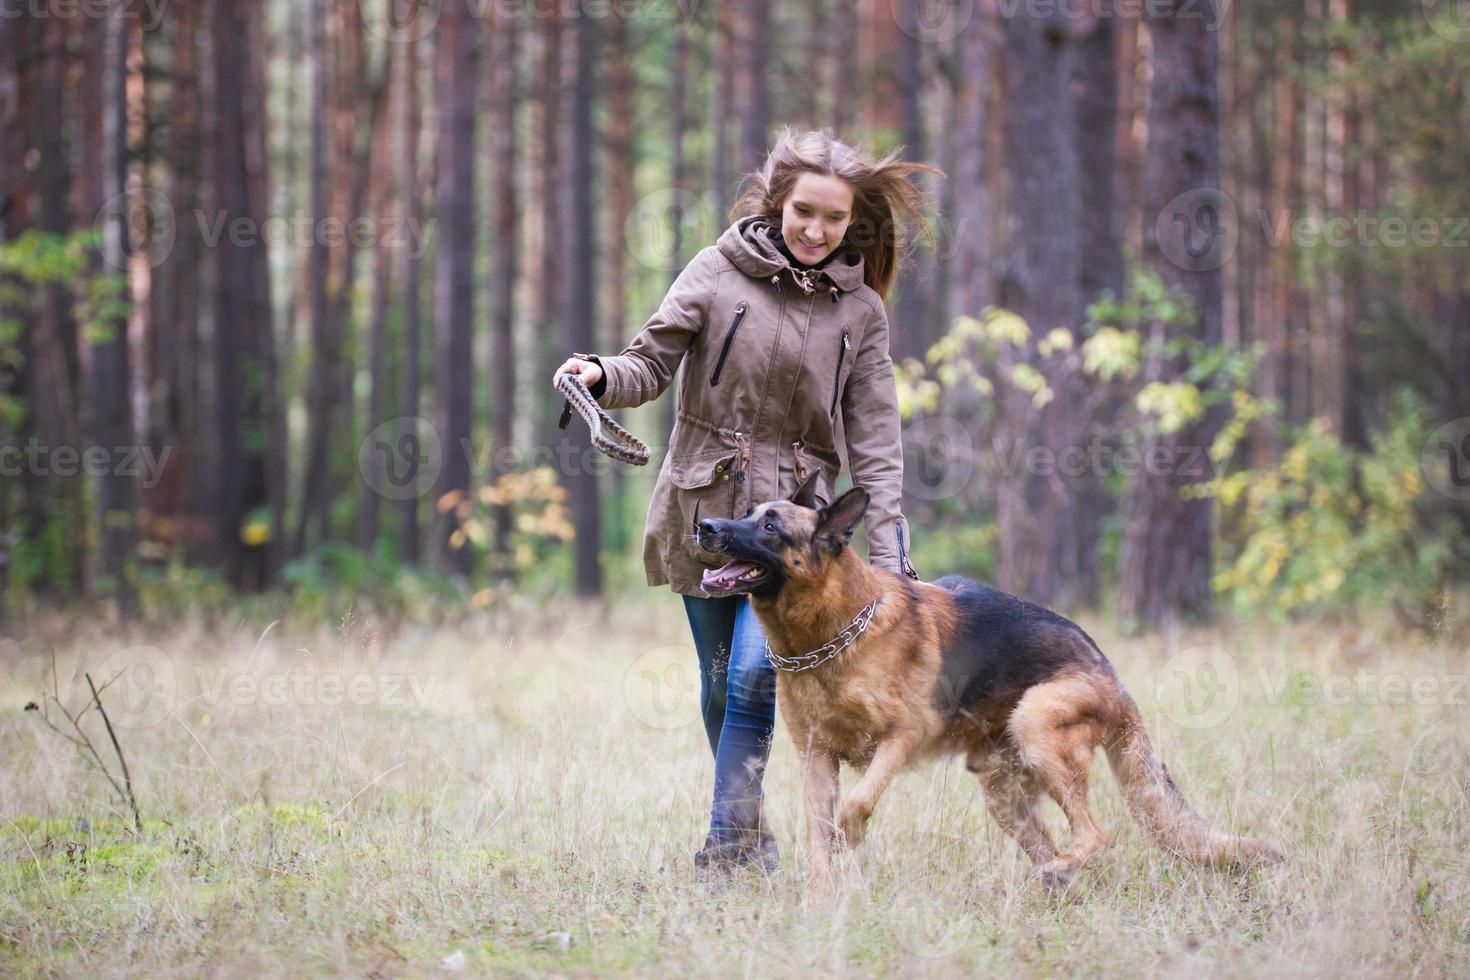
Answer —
1157 804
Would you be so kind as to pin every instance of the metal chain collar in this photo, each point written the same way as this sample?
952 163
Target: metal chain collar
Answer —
845 638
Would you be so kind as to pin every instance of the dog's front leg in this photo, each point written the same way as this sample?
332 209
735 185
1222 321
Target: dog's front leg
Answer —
888 758
819 795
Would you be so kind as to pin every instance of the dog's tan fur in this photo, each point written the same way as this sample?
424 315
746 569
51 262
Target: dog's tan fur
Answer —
877 706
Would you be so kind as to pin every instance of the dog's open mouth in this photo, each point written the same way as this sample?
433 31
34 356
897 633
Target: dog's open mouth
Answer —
733 576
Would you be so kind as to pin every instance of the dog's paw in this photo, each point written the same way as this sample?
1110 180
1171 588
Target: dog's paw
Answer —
1053 877
852 825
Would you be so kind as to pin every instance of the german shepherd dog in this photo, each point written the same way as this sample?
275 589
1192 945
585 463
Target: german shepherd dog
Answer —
882 671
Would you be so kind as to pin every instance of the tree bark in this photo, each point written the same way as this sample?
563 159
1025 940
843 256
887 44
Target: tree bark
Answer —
457 62
243 334
1167 546
580 281
1037 511
506 221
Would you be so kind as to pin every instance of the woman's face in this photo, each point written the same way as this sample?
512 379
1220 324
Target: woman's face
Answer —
815 216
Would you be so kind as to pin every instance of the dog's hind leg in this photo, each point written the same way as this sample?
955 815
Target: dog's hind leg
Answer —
1013 796
888 759
1054 728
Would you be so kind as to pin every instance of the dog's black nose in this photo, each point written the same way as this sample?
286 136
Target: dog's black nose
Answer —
707 526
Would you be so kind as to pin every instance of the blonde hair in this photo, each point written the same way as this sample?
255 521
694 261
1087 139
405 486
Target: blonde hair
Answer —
887 205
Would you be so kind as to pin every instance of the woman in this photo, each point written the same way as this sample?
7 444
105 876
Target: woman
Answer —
780 325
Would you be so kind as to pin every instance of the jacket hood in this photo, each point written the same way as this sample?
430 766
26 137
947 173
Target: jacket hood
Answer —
747 244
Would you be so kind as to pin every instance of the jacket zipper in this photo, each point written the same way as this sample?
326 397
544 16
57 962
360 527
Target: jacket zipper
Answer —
903 555
714 377
841 356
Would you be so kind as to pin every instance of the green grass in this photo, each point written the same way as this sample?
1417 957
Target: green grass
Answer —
533 804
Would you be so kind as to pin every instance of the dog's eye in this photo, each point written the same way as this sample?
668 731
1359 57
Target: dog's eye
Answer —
770 527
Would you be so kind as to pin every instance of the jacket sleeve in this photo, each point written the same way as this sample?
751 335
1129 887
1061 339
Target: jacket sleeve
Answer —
642 370
871 424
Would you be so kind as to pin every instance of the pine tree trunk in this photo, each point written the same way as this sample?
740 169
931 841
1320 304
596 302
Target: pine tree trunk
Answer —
506 221
1167 547
457 66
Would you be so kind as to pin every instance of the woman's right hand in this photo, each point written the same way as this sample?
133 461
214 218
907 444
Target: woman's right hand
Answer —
589 371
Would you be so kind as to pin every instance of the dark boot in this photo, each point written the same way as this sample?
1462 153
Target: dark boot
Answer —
756 850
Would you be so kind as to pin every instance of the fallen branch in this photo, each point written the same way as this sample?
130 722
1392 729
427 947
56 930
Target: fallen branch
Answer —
124 790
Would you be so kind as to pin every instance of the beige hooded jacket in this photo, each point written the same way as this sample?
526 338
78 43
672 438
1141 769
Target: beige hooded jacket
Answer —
771 355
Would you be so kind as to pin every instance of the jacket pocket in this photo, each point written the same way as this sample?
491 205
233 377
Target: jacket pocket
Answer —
714 376
704 486
837 374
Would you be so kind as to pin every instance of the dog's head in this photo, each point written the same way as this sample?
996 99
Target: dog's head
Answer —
780 541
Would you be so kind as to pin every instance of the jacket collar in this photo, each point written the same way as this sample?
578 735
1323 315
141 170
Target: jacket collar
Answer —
748 246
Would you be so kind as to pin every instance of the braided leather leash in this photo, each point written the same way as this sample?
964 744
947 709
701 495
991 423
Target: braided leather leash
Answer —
609 437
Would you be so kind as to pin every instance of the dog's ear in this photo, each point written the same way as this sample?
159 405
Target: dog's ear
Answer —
806 494
838 520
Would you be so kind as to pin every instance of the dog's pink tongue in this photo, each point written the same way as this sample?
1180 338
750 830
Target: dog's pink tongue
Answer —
725 576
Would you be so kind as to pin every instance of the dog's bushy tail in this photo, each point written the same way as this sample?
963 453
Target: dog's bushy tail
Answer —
1161 809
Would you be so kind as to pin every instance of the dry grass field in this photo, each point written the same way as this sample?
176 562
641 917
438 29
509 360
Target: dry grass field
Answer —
523 795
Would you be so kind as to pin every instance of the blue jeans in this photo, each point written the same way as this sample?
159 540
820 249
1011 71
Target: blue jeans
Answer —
737 696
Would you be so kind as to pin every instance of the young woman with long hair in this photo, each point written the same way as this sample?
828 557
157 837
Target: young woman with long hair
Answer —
781 327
